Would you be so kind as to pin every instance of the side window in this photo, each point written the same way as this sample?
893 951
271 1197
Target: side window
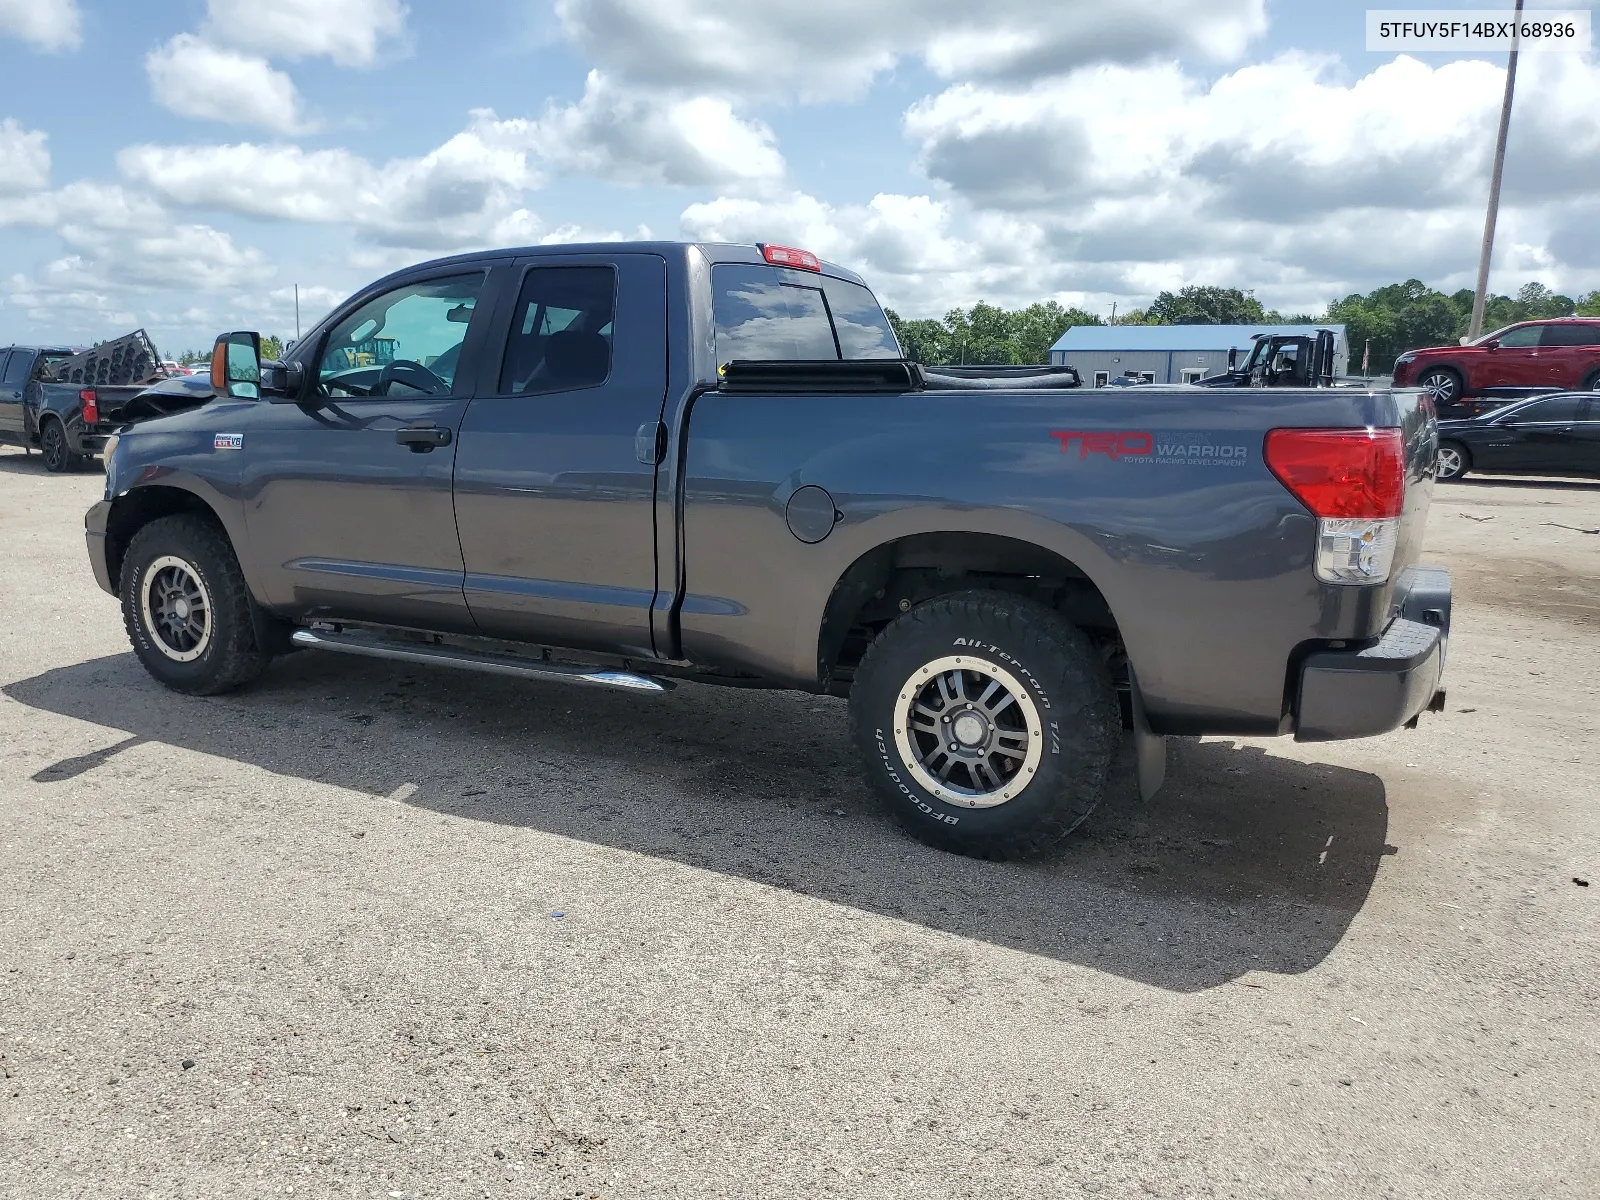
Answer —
1558 408
561 331
858 321
769 313
1522 336
403 343
1571 335
17 368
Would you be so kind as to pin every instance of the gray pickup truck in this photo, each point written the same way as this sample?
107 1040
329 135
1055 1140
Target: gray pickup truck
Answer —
624 465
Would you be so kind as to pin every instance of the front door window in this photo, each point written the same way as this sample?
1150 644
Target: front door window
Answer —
403 343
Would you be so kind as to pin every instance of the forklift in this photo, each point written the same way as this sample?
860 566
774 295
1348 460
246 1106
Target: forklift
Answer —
1279 360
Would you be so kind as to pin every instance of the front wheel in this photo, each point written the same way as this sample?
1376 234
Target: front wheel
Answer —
1453 460
187 608
986 723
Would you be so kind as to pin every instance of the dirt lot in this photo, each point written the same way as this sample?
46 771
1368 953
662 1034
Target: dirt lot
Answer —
375 931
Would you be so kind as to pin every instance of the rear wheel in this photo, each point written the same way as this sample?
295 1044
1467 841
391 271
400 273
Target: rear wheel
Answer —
1592 384
1443 384
986 723
58 456
187 608
1453 460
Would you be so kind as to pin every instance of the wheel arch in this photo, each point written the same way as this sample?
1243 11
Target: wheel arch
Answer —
911 569
134 509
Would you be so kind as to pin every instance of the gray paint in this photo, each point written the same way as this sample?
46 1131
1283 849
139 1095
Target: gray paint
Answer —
566 537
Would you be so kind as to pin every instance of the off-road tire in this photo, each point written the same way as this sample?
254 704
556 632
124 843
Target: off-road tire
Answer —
58 455
1452 469
1072 696
231 656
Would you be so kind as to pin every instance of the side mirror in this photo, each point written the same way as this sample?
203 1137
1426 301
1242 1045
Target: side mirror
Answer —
1492 345
236 366
1233 358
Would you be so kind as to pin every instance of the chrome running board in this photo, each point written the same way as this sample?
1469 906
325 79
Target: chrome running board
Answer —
493 664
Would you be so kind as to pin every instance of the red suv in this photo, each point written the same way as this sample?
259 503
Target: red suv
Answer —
1520 360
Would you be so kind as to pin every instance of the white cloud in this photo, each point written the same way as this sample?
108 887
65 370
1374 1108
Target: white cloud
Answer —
466 192
193 78
350 32
638 138
48 24
832 48
1274 141
24 159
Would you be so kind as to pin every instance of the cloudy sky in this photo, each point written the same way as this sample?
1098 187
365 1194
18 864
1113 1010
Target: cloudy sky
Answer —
181 164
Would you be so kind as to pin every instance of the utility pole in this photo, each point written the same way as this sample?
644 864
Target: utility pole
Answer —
1113 312
1480 297
297 312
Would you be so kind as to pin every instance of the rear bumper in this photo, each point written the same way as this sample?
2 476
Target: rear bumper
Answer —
1359 693
94 532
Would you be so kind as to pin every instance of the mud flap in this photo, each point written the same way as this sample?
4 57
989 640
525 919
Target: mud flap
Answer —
1150 749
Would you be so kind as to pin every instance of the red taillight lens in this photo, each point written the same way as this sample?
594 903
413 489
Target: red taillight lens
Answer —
91 406
1341 472
788 256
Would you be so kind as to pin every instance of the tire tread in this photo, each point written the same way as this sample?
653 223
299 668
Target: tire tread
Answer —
1089 729
235 659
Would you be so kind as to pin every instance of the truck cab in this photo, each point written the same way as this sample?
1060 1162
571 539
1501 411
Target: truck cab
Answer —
1280 360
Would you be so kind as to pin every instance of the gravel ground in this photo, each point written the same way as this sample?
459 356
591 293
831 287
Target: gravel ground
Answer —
365 930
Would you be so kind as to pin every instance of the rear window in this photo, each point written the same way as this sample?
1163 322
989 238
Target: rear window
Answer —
765 313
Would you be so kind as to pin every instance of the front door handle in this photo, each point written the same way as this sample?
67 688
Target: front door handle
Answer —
422 438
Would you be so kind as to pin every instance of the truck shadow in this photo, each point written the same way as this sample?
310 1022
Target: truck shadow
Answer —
1245 862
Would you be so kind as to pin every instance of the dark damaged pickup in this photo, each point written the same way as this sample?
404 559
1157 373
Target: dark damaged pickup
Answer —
630 465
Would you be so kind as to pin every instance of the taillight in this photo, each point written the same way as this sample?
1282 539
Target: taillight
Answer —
788 256
1354 483
91 406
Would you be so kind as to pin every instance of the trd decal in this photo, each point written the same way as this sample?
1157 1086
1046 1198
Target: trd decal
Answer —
1124 444
1178 448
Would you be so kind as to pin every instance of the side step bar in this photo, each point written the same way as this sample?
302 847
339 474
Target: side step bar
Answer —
493 664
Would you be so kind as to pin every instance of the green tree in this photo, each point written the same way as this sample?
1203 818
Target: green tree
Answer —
1039 326
1202 305
271 347
1588 306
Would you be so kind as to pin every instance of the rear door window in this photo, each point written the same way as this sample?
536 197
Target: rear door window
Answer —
561 331
765 313
1571 335
1557 408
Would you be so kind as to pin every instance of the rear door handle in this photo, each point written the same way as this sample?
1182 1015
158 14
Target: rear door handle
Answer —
422 438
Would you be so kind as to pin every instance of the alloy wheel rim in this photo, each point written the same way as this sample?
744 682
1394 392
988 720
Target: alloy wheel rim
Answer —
55 445
176 608
968 731
1440 387
1449 461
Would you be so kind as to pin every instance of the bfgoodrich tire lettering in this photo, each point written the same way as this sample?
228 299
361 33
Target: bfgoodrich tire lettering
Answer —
951 661
186 607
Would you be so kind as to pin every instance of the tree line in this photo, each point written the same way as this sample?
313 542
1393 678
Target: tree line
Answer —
1382 323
